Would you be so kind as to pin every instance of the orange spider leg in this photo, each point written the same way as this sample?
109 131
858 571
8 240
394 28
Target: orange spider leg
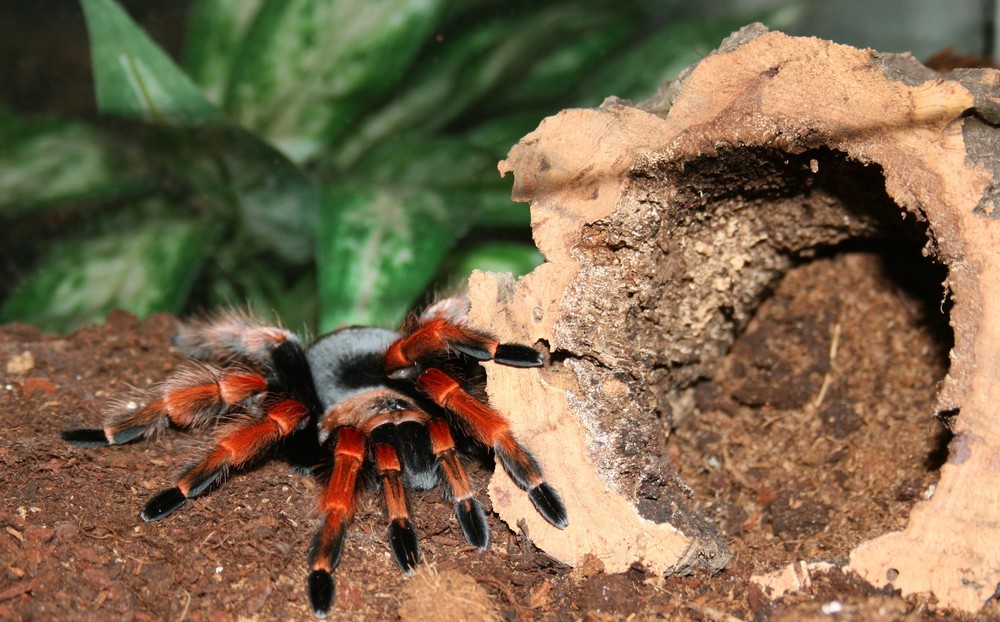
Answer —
337 504
196 397
197 404
491 429
467 508
236 445
231 336
439 335
402 537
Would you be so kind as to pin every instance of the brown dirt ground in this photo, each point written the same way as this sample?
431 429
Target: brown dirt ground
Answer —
816 434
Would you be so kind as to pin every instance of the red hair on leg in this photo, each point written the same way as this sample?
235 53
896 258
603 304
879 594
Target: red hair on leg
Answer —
402 537
338 505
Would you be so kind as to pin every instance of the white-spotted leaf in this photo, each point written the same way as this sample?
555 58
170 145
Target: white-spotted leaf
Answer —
134 77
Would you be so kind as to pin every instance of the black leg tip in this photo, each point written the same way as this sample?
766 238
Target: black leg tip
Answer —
303 470
472 351
403 540
205 482
321 592
164 504
473 521
517 355
549 505
127 436
85 437
407 373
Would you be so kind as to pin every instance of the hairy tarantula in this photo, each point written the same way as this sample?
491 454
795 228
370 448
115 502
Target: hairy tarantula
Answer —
360 407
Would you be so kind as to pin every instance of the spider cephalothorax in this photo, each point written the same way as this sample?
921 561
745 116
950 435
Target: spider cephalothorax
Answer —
394 408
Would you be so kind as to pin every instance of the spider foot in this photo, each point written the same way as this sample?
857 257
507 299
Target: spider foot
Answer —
403 539
510 354
549 505
518 355
324 559
303 470
473 521
199 479
85 437
163 504
321 592
95 437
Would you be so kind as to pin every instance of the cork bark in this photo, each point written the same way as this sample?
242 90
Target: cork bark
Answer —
664 225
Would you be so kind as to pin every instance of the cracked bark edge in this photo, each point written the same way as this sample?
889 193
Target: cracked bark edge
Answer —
652 225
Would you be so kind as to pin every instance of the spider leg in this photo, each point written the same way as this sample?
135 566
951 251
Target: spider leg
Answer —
402 537
191 398
467 508
440 335
491 429
236 445
238 337
232 335
338 505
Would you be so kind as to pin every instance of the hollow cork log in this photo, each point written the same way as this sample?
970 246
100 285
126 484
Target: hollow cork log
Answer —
664 225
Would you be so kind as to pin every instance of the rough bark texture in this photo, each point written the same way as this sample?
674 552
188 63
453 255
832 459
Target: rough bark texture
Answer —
665 225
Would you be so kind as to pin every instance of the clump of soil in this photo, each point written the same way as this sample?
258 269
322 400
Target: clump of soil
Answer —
817 433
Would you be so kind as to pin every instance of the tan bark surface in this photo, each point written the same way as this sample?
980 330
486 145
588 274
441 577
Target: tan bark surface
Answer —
665 225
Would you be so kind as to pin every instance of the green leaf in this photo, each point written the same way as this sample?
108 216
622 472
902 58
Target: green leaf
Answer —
310 67
576 47
244 181
237 279
515 257
53 162
499 134
214 42
453 166
659 57
278 205
498 210
379 249
434 161
654 60
458 71
145 268
134 77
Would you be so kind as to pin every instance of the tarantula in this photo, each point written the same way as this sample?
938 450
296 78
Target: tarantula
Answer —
360 407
